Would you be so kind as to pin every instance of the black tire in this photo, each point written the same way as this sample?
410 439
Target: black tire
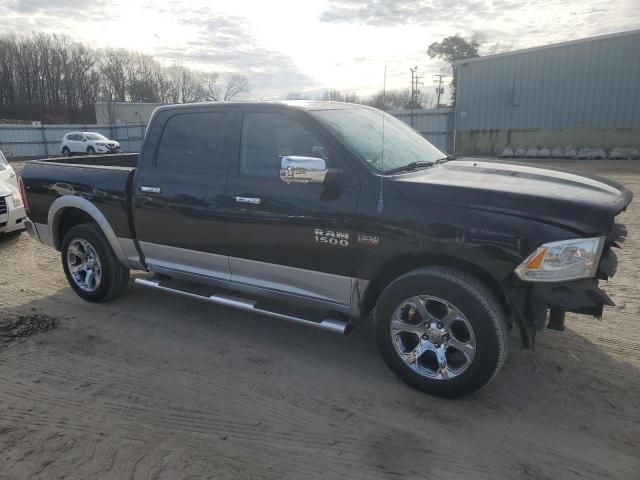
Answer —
66 152
114 276
482 313
91 151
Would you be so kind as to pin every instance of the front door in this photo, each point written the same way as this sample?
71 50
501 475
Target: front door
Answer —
179 193
294 238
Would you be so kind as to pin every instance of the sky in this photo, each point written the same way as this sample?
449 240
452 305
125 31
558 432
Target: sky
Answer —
307 46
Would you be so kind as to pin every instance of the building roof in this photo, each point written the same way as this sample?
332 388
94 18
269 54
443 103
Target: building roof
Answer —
545 47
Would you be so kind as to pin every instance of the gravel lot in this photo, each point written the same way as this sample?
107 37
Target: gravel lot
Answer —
158 386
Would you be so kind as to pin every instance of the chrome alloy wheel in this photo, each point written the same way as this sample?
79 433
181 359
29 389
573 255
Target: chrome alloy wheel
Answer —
432 337
84 265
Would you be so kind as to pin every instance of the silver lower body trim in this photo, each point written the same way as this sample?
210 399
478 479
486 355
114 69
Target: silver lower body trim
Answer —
162 257
298 281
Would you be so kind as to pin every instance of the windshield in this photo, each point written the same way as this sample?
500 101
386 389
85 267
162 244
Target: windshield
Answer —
3 162
362 128
95 136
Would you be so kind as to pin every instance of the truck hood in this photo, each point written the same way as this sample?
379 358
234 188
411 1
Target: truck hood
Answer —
586 204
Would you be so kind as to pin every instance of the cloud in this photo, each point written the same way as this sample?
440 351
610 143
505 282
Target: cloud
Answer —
506 23
227 42
403 12
56 8
203 37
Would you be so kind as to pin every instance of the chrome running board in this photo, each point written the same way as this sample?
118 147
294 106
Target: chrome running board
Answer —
331 324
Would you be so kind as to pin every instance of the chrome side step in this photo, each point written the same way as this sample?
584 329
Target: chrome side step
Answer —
330 324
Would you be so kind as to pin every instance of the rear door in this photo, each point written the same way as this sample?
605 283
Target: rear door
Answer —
73 141
179 190
294 238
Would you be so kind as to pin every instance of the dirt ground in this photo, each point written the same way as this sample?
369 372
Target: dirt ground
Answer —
154 386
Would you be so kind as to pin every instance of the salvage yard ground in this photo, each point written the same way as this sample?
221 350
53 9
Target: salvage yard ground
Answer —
157 386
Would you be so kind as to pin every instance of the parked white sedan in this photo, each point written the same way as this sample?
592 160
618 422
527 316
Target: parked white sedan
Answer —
11 208
87 143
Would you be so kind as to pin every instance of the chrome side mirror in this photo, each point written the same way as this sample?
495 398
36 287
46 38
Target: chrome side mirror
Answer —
302 170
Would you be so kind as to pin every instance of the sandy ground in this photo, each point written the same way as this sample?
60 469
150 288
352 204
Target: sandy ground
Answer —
154 386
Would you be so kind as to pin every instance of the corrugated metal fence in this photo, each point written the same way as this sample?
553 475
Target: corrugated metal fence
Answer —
27 141
436 125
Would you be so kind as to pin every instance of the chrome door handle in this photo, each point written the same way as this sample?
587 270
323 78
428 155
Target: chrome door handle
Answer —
148 189
250 200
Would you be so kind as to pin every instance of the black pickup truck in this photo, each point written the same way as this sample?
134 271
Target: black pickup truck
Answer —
327 213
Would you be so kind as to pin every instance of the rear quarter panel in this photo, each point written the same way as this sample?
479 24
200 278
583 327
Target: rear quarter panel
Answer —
108 188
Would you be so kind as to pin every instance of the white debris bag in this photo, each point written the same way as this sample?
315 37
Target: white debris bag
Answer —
533 152
592 153
544 152
625 153
507 152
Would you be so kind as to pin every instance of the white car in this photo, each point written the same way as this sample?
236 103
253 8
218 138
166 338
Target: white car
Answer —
12 212
87 143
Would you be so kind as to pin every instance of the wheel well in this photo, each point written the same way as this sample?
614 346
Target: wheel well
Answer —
402 265
70 217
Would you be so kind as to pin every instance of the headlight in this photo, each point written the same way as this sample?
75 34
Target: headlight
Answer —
562 261
17 199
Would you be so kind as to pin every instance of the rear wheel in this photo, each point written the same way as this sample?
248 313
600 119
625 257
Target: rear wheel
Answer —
92 268
441 331
66 152
91 151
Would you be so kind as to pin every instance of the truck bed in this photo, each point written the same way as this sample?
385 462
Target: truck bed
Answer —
103 180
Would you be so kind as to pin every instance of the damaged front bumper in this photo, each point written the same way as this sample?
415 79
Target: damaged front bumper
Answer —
536 305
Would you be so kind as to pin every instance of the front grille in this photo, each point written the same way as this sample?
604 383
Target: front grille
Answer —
3 205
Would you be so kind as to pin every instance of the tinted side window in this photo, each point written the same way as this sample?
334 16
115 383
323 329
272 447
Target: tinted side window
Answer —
193 141
267 137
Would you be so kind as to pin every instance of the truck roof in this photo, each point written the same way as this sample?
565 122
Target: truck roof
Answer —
301 104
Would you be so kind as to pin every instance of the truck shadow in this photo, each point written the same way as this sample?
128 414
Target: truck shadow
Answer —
565 364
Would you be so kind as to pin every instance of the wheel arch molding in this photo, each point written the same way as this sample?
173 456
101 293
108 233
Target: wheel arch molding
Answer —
64 205
388 271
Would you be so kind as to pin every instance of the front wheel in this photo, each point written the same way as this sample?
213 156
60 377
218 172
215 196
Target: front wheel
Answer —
91 151
441 331
92 268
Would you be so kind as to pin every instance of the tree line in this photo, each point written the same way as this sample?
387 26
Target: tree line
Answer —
395 99
54 79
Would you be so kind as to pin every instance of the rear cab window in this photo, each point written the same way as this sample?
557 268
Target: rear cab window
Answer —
194 141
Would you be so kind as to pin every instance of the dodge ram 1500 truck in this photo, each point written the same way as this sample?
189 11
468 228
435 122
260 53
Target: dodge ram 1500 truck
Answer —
327 213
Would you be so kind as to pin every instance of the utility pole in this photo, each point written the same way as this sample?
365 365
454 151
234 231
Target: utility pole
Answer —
415 82
439 89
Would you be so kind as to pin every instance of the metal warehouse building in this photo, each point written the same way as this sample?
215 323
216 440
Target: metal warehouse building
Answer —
580 93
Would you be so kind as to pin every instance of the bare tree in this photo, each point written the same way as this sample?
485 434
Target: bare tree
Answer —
339 96
296 96
400 100
210 88
236 84
54 79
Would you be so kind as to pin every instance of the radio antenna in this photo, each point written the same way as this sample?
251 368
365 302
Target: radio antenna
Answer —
384 92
